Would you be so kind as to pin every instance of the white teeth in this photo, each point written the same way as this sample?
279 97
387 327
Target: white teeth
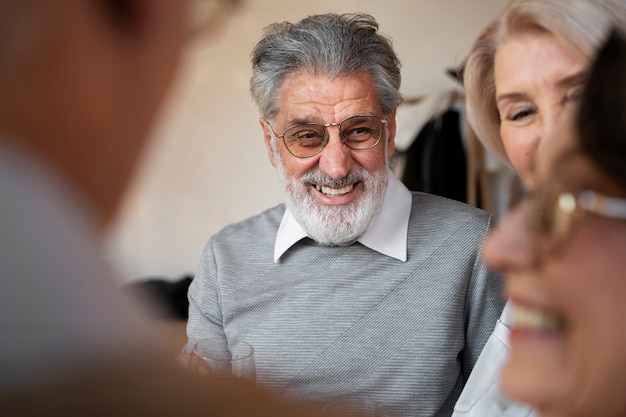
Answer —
334 191
530 319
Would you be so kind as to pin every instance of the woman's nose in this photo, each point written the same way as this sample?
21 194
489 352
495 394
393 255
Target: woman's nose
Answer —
551 120
511 246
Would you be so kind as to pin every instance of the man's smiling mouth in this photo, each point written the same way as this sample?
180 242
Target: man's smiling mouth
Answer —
331 191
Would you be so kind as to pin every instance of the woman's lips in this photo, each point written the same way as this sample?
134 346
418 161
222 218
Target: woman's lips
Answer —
536 320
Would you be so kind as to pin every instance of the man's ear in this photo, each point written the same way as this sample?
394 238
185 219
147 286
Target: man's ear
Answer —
268 137
391 133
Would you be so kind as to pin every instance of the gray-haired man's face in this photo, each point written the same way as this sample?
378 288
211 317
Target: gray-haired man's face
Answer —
335 194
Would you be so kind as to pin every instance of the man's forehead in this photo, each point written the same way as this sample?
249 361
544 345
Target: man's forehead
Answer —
326 98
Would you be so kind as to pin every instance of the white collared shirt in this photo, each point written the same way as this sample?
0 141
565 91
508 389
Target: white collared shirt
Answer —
387 234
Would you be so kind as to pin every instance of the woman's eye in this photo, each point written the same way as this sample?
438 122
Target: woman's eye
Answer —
521 114
573 95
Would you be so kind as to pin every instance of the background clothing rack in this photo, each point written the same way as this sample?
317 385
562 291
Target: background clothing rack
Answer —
477 189
458 96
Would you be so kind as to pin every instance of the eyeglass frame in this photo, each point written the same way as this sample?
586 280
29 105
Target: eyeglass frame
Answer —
326 139
574 206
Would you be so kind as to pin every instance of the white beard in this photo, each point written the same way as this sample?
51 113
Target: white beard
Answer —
333 225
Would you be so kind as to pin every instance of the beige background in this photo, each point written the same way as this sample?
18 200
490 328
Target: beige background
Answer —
207 166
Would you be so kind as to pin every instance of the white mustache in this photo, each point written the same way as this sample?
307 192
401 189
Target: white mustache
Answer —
320 179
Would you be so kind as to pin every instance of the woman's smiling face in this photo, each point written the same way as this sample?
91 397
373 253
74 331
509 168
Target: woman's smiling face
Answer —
569 327
536 80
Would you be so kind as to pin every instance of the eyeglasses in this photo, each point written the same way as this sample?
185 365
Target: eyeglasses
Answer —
557 214
308 139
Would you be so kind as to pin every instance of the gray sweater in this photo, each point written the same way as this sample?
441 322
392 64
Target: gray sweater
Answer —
331 321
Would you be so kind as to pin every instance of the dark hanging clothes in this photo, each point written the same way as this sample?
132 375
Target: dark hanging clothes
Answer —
165 299
436 161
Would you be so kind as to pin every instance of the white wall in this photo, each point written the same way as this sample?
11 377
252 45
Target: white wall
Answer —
207 166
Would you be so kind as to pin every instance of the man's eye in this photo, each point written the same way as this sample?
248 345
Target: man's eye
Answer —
359 133
363 130
306 135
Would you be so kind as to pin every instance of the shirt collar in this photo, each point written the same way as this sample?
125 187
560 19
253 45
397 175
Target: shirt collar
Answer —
387 234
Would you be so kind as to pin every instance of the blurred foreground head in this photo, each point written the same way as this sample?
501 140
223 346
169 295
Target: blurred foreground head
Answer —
602 117
81 82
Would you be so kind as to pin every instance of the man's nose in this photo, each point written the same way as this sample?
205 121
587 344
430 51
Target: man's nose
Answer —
336 158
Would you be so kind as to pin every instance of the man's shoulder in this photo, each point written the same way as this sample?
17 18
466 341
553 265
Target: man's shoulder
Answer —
433 212
439 223
424 202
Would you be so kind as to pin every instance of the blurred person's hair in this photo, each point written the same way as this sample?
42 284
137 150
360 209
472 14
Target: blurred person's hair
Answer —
601 122
330 45
580 25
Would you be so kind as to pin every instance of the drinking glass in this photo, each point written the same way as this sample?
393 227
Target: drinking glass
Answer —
220 359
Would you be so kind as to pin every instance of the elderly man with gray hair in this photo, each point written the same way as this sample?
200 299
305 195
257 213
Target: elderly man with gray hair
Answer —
355 286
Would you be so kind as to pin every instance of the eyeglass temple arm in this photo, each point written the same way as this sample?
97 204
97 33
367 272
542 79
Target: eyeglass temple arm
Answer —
607 206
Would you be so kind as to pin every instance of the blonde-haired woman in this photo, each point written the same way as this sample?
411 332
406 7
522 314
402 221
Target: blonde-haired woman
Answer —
526 71
527 66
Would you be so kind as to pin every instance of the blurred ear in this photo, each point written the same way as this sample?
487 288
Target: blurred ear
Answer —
123 15
139 42
143 20
268 137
